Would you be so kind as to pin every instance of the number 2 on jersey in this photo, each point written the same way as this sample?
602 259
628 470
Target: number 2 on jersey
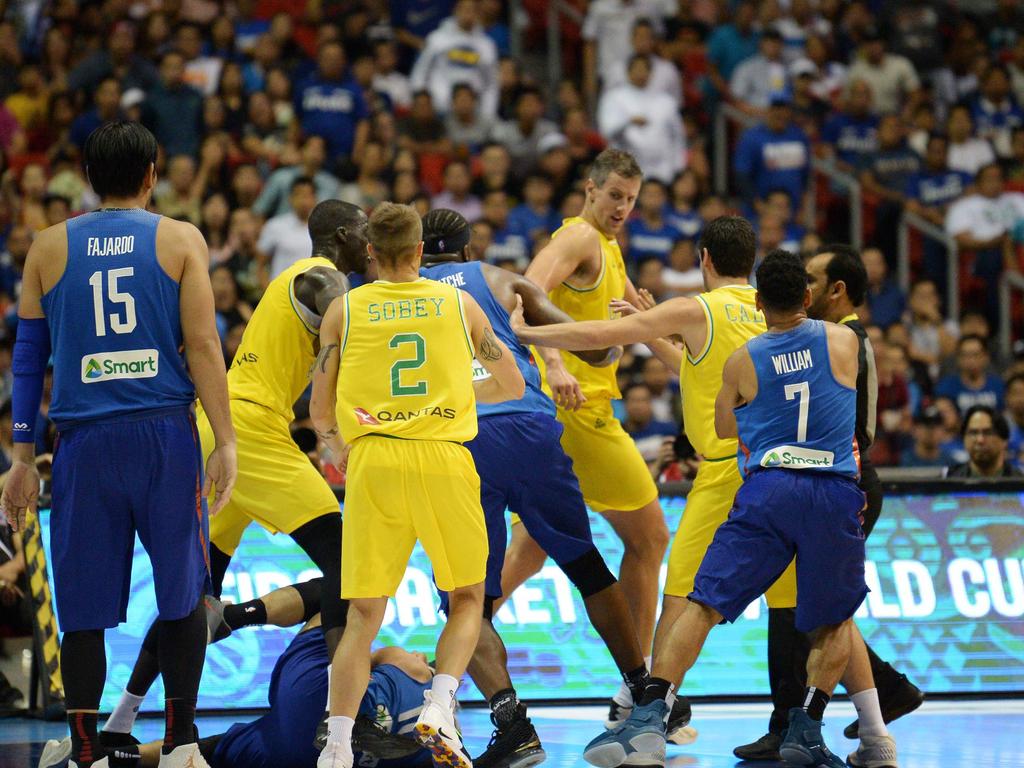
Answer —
803 391
408 364
117 324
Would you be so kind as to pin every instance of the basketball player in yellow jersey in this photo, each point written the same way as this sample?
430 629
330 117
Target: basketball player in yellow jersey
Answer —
395 371
712 325
277 485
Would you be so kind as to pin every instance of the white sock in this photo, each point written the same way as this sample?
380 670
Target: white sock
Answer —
339 730
623 697
648 661
869 713
329 687
122 719
443 689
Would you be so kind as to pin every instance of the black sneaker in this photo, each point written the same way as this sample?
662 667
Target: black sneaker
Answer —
905 699
515 746
110 739
678 729
765 748
371 738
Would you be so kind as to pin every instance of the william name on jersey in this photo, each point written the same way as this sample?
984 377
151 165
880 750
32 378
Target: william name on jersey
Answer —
791 362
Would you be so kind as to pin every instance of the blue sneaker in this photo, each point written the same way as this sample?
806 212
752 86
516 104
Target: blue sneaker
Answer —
640 741
803 744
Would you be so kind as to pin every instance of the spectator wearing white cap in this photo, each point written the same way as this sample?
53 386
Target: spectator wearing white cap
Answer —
664 74
645 124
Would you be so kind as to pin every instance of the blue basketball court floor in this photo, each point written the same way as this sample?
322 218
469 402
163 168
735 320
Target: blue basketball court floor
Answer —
942 734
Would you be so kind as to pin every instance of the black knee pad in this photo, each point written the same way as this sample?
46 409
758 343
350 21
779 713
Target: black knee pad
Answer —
219 562
320 538
589 573
488 607
310 592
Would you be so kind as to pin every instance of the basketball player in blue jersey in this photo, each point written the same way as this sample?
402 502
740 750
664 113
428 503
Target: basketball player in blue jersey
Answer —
123 299
789 395
283 737
523 467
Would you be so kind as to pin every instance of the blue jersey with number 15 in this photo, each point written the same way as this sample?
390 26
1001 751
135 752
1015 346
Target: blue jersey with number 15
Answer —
115 322
802 418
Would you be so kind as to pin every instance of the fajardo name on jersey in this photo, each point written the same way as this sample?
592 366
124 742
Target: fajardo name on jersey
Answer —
110 246
797 457
108 366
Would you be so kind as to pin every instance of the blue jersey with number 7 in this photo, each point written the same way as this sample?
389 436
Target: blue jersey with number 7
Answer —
115 322
802 418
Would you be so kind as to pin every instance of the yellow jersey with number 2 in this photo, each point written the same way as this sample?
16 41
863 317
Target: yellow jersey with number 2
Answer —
591 303
406 363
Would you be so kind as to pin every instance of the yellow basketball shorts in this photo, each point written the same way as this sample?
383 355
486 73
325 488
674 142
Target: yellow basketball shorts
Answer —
707 507
612 473
277 485
398 491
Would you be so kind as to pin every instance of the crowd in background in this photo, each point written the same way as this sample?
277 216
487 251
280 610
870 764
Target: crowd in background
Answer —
264 107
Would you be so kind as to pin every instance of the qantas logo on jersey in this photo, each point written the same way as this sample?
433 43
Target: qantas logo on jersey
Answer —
795 457
441 413
133 364
365 418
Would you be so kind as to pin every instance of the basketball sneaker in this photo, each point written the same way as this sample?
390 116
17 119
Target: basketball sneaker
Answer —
617 714
216 628
55 753
874 752
803 744
765 748
679 731
335 755
517 745
437 731
638 741
185 756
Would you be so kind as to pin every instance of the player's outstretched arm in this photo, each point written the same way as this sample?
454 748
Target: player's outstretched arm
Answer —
323 403
663 320
204 355
539 310
642 300
506 381
31 354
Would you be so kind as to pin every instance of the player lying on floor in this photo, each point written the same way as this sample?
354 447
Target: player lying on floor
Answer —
284 736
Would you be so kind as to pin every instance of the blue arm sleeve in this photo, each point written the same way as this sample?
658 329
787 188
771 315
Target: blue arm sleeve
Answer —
31 354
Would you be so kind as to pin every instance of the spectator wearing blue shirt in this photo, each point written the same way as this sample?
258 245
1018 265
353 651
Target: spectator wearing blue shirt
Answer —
972 384
331 105
775 154
778 206
1015 415
683 213
107 99
535 216
995 112
885 299
507 246
649 234
852 133
730 45
884 174
640 424
927 449
173 110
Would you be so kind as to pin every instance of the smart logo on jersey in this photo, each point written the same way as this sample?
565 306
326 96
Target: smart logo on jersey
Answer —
797 457
364 417
132 364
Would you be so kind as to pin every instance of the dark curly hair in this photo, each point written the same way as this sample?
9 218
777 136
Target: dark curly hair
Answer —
782 281
445 231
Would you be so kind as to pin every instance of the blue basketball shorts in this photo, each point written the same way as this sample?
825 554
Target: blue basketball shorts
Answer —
140 473
779 514
523 468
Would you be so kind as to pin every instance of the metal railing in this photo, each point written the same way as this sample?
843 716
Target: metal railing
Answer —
1009 284
911 221
728 113
557 9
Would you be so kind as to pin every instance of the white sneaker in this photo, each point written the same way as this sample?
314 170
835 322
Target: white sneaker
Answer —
55 753
334 755
874 752
436 730
185 756
682 736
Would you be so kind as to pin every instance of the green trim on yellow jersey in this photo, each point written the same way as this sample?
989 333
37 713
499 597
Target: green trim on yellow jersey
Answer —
465 326
711 333
344 333
596 284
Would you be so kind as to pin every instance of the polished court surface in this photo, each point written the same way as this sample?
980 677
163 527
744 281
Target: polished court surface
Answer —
943 734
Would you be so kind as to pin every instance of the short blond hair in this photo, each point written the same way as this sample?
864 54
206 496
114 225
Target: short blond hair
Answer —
394 232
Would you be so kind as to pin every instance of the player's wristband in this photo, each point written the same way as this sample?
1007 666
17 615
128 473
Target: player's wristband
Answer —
31 354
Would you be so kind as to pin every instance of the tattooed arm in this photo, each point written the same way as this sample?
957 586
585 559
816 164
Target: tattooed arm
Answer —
505 381
323 404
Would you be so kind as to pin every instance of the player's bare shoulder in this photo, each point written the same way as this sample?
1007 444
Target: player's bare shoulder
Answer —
843 348
581 243
177 242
